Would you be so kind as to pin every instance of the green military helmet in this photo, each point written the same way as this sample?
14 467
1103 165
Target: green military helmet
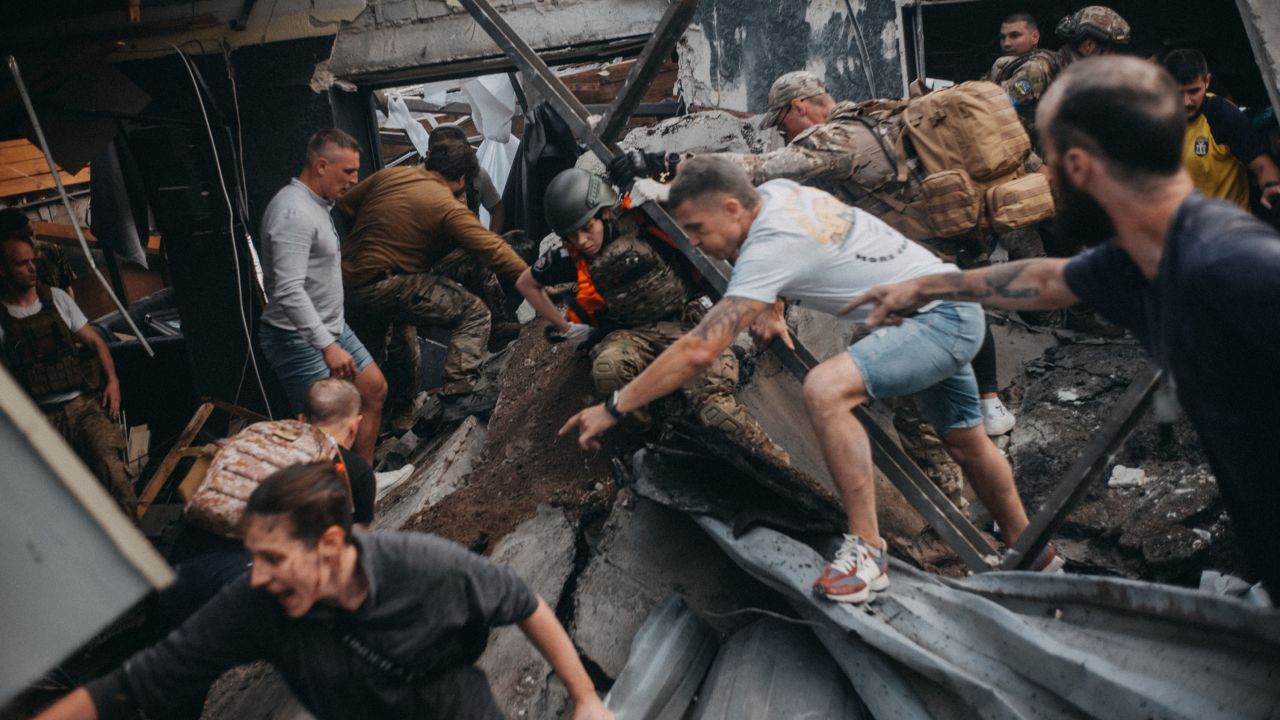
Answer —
573 197
1095 21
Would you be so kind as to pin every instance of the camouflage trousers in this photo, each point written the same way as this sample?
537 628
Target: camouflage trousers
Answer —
457 295
85 426
624 354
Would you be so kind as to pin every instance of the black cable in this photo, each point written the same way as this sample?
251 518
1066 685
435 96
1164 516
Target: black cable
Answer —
862 50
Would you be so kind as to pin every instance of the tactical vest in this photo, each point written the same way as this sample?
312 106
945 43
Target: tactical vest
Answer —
42 352
1006 68
629 281
877 184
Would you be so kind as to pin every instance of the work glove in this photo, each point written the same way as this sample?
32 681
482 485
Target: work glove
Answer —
577 334
632 164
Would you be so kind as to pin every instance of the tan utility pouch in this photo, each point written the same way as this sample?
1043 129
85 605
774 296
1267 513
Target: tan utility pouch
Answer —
1019 203
953 201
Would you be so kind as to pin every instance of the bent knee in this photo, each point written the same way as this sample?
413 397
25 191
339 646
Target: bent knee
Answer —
829 388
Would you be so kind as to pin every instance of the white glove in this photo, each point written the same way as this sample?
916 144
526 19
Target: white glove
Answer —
577 334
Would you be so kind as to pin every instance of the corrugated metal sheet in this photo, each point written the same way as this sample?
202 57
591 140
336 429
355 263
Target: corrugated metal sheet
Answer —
773 669
1021 645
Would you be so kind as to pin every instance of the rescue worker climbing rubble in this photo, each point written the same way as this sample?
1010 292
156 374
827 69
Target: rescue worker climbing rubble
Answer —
418 258
845 149
632 301
64 366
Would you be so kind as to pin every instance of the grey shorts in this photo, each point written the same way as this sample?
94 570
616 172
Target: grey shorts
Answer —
928 356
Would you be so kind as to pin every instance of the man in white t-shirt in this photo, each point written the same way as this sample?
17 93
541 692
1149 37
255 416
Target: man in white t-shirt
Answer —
57 358
800 243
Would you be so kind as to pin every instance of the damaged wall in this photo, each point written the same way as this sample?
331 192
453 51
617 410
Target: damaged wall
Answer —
736 48
404 40
1262 23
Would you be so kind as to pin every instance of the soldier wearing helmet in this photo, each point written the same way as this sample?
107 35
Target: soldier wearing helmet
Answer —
1093 30
633 299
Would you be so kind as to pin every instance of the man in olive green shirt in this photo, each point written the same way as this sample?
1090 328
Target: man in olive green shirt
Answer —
418 258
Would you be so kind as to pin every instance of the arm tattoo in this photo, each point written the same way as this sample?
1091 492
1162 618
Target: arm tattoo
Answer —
997 281
728 317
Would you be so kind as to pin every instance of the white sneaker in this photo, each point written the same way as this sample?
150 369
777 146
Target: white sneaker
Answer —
857 570
996 417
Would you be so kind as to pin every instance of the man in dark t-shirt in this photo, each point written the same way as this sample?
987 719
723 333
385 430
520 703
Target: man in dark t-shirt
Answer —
359 625
1197 280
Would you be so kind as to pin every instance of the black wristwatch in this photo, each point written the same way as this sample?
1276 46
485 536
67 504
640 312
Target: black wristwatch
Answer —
611 406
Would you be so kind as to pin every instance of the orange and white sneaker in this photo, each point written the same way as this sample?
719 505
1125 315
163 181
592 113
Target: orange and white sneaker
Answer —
857 570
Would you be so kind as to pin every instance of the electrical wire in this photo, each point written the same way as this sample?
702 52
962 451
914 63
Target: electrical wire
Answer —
231 223
66 203
862 50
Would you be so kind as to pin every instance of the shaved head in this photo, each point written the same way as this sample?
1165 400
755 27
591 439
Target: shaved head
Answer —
1124 110
332 400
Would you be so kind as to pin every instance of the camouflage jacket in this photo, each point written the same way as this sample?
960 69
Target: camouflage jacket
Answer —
854 157
1025 78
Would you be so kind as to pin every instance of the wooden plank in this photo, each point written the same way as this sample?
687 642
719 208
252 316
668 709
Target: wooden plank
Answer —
24 186
18 153
24 168
170 462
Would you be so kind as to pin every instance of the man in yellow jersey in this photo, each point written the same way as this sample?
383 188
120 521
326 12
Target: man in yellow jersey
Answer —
1220 143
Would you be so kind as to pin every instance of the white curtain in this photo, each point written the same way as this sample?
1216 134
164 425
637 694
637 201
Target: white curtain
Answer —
493 104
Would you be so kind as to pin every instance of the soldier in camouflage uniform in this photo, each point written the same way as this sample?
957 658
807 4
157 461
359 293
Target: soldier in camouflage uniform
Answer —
418 258
632 301
61 362
1024 71
1093 30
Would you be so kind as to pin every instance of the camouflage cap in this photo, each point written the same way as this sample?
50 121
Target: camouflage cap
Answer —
798 84
1095 21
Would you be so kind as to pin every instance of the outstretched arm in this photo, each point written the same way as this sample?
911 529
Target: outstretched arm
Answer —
684 360
1024 285
536 294
547 635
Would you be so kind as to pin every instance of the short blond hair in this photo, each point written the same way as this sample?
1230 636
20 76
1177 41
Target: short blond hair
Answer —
332 400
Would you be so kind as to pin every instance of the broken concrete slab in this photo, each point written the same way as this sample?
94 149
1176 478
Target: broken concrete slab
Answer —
434 479
647 552
541 551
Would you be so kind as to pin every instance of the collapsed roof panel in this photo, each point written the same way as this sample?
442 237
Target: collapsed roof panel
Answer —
1014 645
404 40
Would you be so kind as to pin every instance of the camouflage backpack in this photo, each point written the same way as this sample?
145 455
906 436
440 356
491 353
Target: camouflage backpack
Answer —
973 150
247 459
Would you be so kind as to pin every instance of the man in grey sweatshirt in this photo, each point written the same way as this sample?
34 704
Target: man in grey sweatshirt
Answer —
303 332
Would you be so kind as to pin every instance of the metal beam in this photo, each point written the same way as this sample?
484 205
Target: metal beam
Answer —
663 41
1095 458
950 524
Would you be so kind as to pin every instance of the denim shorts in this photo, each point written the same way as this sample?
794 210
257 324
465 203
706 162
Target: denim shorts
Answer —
928 356
297 364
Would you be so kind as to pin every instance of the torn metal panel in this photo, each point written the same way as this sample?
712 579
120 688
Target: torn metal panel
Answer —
773 669
1019 645
397 40
72 561
669 658
1262 23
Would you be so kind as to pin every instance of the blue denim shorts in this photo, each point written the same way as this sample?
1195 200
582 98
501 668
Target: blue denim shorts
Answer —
297 364
928 356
